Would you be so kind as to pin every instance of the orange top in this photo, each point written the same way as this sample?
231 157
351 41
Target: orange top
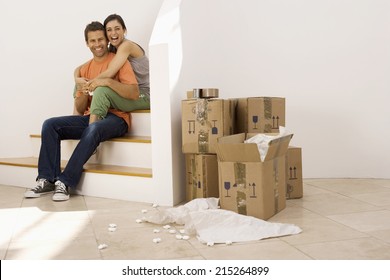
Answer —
125 75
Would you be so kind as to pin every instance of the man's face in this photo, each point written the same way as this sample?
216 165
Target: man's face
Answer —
97 43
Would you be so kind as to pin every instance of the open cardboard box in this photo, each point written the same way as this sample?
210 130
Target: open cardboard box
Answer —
248 185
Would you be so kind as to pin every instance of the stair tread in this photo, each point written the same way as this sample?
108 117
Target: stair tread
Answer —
125 138
88 167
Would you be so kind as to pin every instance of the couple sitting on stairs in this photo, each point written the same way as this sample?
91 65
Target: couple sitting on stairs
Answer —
108 87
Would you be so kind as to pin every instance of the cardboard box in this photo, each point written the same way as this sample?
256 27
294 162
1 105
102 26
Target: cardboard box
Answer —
247 185
203 121
201 176
260 114
294 179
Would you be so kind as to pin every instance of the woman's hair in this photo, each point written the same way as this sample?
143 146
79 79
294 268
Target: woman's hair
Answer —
115 17
94 26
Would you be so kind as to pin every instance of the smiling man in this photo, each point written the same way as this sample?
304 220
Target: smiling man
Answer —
50 178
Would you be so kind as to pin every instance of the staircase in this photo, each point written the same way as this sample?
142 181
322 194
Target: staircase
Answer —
121 168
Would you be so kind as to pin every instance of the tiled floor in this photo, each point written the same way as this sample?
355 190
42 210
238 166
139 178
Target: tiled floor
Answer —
341 219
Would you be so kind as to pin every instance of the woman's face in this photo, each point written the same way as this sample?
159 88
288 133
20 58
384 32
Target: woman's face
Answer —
115 33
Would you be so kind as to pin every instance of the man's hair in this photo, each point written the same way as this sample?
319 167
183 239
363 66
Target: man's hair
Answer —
115 17
94 26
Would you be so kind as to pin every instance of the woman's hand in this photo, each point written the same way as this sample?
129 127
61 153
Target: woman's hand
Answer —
98 82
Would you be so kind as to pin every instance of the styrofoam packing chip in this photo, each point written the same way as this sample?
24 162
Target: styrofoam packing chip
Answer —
157 240
102 246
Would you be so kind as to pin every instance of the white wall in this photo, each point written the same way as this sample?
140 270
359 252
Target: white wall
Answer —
41 44
330 59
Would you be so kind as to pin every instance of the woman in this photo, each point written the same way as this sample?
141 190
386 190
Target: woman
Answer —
125 50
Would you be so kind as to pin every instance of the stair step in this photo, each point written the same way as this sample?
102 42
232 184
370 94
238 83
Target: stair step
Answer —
88 167
121 168
128 150
125 138
140 123
108 181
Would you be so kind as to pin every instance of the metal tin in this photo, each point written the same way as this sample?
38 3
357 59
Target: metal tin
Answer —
209 93
197 93
203 93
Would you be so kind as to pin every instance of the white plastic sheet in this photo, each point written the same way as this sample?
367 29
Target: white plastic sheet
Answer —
262 141
212 225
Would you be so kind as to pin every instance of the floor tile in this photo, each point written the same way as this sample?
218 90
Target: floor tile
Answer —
49 228
320 230
376 198
309 189
273 250
330 204
78 249
340 219
349 186
45 203
383 235
365 221
138 244
353 249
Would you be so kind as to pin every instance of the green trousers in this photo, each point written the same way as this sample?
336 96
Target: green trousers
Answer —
105 98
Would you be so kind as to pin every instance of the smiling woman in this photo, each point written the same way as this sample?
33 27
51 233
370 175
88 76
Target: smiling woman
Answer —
126 50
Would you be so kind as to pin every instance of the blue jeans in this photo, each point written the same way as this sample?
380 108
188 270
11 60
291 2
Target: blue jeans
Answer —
74 127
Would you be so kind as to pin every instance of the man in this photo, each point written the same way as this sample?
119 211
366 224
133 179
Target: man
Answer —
115 124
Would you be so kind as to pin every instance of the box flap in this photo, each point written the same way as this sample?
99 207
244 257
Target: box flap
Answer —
278 147
233 149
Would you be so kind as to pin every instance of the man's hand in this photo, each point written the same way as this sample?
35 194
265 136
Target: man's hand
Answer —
80 82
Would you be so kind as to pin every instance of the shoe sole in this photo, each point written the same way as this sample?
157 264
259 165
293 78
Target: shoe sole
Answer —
60 199
36 195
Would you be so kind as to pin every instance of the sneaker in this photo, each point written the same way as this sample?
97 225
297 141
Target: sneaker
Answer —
61 192
43 187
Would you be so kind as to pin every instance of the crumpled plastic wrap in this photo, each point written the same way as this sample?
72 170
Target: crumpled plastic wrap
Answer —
211 225
262 141
179 214
223 226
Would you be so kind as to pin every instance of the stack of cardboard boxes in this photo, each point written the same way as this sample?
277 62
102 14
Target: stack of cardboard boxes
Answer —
204 120
220 164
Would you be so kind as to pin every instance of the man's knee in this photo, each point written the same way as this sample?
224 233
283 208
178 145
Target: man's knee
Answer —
100 92
48 123
93 132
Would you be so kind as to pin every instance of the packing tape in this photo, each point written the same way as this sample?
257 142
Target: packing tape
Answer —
203 141
194 183
268 114
276 183
201 109
203 176
240 183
